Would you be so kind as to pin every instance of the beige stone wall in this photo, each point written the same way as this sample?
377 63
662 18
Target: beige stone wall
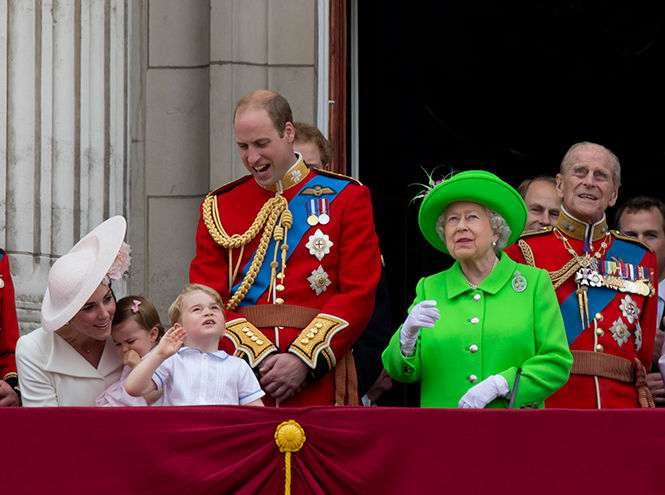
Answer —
125 107
191 61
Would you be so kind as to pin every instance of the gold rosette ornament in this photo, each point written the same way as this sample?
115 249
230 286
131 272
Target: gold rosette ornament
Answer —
289 437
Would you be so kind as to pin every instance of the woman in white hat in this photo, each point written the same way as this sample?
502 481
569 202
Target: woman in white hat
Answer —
71 360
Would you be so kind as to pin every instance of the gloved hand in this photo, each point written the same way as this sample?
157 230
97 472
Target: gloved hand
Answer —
481 394
422 315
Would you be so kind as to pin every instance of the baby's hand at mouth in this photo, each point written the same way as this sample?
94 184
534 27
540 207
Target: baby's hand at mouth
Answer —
131 358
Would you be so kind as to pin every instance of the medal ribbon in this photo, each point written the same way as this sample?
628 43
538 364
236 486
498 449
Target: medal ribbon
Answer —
299 207
599 297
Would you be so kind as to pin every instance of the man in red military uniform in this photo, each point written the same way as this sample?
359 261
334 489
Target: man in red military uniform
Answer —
605 283
294 253
8 336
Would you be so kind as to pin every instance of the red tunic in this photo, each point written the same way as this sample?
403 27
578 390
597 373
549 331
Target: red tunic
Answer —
8 323
610 311
347 273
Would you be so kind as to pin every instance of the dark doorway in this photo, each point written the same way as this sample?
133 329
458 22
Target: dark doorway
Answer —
506 87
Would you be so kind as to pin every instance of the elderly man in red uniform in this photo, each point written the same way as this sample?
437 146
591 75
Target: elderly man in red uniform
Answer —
294 254
605 283
9 391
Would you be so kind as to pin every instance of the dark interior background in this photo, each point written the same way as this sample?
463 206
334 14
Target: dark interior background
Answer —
505 87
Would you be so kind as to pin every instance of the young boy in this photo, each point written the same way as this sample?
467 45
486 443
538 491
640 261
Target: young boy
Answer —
198 373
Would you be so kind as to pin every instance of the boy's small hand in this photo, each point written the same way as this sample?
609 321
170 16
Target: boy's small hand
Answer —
131 358
172 341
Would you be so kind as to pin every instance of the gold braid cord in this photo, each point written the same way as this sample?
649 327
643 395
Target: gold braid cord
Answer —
558 277
267 219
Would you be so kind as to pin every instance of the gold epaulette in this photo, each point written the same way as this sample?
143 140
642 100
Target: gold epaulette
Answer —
530 233
315 339
335 175
634 240
249 341
229 186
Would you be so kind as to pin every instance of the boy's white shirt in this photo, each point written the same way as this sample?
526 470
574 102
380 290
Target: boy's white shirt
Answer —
192 377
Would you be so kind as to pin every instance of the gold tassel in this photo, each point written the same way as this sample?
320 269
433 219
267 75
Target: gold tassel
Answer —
289 437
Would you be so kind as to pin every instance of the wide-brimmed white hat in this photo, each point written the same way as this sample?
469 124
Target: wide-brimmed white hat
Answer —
75 277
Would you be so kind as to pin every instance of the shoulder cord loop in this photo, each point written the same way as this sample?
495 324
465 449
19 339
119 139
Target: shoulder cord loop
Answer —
267 217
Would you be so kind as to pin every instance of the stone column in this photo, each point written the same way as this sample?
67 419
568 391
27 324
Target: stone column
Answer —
63 154
201 57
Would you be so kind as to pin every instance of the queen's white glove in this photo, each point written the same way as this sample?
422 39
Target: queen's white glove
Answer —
422 315
481 394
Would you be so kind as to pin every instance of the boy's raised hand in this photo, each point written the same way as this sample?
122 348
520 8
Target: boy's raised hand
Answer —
171 341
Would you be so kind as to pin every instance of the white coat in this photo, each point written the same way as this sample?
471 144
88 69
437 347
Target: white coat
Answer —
52 373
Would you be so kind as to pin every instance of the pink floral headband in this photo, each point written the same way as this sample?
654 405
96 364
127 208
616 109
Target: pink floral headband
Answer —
135 307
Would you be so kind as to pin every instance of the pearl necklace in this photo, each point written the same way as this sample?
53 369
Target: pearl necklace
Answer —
473 286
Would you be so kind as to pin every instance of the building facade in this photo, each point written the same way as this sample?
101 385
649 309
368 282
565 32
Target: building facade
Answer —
125 107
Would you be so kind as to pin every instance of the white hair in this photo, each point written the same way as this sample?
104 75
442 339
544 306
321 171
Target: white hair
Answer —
498 223
567 160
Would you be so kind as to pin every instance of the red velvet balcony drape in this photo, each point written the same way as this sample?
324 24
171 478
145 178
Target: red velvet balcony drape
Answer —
231 449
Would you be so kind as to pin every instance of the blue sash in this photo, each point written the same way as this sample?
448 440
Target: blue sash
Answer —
599 297
298 207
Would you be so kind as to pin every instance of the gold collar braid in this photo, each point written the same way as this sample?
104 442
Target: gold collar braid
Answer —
267 217
578 230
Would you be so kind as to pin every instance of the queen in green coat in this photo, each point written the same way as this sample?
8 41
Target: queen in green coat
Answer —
488 330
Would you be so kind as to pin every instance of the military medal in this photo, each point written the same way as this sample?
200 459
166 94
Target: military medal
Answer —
319 281
319 244
312 210
629 309
638 337
620 332
324 217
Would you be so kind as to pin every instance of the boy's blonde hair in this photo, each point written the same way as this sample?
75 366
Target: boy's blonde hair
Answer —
175 311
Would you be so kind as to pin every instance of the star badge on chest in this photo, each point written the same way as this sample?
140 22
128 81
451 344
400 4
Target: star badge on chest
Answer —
319 244
319 281
629 309
620 332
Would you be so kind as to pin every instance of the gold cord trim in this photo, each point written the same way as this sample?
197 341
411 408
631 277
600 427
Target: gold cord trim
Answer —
266 219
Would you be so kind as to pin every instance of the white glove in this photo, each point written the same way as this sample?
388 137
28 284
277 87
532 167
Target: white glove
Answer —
481 394
422 315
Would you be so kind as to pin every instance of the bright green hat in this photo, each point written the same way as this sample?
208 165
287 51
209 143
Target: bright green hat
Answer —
480 187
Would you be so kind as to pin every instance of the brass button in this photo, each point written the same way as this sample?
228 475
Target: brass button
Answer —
310 335
305 341
279 300
475 320
259 342
249 333
599 348
473 348
254 338
473 379
314 331
280 288
599 317
245 329
318 324
600 332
